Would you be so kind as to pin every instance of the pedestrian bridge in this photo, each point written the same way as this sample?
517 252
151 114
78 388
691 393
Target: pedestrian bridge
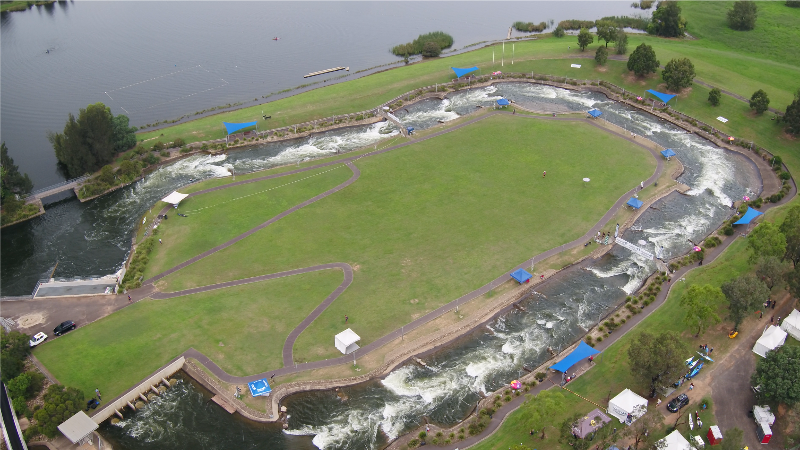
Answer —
56 188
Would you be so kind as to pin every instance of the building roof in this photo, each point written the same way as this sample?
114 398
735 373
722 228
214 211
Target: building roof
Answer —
675 441
628 400
77 427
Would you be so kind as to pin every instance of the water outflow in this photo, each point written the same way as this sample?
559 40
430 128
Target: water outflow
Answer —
448 389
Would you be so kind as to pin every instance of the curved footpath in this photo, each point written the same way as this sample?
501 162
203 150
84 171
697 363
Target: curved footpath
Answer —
289 366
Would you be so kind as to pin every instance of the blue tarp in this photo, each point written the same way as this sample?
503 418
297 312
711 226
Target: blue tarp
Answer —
667 153
661 96
595 113
583 351
461 72
635 202
503 102
234 127
259 387
521 275
748 216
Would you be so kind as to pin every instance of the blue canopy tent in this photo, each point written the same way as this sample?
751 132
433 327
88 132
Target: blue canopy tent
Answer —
461 72
667 153
635 203
259 387
748 216
521 275
595 113
234 127
661 96
503 102
583 351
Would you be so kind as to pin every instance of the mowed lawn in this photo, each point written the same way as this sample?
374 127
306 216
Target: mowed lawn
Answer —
612 373
242 329
216 217
430 222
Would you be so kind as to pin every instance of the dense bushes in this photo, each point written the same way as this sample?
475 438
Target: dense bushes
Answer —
60 404
14 349
639 23
108 178
574 24
135 273
416 47
530 27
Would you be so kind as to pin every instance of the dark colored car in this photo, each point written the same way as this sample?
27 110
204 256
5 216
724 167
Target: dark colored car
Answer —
92 404
64 327
677 403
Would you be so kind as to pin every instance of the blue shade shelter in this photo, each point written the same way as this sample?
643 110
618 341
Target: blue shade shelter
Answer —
635 203
234 127
595 113
748 216
461 72
259 387
661 96
583 351
667 153
521 275
503 102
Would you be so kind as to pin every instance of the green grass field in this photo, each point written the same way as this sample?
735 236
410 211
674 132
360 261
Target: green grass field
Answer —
241 328
219 216
430 222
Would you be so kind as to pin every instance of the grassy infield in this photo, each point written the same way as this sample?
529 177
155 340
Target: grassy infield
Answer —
767 58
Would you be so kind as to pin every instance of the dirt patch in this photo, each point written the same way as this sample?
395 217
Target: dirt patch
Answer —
29 320
789 137
414 301
356 267
601 69
631 77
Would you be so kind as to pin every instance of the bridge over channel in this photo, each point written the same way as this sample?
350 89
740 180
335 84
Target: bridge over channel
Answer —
56 188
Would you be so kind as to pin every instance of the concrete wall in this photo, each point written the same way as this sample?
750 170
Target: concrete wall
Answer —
121 402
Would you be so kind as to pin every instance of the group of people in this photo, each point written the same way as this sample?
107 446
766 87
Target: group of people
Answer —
603 238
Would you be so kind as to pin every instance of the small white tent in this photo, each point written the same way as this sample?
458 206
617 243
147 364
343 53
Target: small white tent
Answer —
345 341
174 198
772 338
791 324
627 402
674 441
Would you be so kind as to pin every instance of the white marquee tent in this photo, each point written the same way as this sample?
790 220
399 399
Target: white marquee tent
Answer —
627 402
791 324
772 338
674 441
345 341
174 198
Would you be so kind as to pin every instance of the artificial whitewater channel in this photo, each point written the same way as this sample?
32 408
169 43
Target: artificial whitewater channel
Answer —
447 389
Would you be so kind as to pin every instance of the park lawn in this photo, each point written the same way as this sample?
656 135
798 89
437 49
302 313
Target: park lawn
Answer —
218 216
242 329
612 368
439 218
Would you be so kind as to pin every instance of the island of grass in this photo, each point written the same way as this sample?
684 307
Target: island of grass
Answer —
421 226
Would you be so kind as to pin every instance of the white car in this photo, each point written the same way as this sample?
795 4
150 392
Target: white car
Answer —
38 339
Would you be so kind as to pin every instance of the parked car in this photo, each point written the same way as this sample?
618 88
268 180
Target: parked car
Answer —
92 403
63 327
38 339
677 403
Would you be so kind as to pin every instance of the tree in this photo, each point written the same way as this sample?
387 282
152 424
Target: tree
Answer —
745 295
60 404
12 180
622 42
537 411
777 375
792 116
657 360
124 134
606 31
643 60
793 3
699 302
759 101
431 49
743 15
559 32
584 38
87 143
641 430
790 228
769 270
766 240
678 74
14 348
667 20
601 56
714 96
793 281
733 439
